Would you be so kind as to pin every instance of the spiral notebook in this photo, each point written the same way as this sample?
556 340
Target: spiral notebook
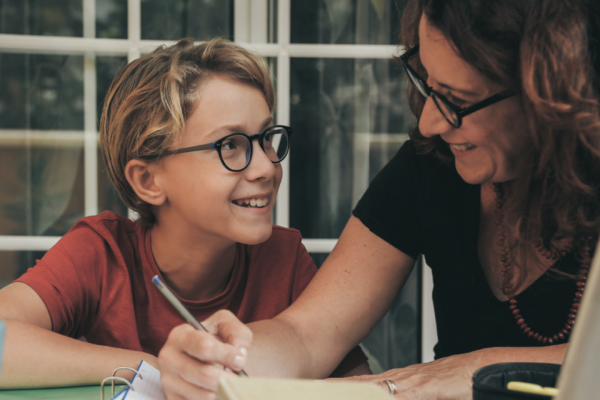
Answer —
145 385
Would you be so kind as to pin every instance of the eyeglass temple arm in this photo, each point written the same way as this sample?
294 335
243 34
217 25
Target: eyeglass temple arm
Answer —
189 149
491 100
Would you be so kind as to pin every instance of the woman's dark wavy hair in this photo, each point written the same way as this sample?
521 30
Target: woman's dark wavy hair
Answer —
547 50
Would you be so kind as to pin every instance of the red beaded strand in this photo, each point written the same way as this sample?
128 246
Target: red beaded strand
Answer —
507 285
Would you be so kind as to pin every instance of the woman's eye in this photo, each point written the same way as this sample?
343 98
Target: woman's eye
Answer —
455 100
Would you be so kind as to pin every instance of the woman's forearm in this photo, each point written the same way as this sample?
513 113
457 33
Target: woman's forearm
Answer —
451 378
36 357
548 354
278 350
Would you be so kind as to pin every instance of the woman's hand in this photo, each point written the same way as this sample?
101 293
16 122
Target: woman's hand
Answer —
449 378
192 362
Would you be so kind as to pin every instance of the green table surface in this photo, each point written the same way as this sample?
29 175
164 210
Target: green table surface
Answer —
71 393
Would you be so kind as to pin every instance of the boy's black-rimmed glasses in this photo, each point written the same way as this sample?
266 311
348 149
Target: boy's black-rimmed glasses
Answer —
235 150
451 112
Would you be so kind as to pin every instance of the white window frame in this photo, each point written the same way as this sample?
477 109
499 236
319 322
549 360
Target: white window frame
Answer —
250 27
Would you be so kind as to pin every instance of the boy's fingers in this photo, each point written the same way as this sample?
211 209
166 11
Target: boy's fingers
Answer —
215 348
226 327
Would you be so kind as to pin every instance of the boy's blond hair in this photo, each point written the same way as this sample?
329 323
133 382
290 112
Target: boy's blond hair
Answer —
149 101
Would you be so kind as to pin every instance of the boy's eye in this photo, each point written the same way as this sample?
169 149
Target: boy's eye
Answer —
228 145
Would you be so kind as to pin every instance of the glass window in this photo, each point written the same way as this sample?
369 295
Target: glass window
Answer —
41 141
345 21
15 263
111 19
42 17
176 19
106 69
349 118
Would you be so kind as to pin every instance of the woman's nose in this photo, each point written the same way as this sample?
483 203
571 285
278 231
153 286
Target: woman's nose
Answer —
432 121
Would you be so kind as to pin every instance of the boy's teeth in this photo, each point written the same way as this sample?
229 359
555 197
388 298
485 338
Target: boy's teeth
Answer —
253 202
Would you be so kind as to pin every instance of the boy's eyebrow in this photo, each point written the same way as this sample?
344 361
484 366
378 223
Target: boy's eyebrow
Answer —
240 128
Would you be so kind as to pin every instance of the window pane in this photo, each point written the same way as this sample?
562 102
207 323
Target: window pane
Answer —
42 17
41 92
13 264
111 19
345 21
41 143
176 19
349 118
106 69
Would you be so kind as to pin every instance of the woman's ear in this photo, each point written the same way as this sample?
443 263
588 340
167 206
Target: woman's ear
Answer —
142 176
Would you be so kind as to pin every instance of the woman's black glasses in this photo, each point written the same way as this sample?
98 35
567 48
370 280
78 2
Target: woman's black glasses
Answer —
235 150
451 112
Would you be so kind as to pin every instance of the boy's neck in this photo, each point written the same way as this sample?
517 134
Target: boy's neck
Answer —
195 268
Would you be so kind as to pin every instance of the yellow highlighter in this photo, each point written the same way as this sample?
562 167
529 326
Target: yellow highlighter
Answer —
532 388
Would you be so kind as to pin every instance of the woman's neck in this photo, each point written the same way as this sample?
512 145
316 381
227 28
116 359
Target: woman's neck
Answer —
195 267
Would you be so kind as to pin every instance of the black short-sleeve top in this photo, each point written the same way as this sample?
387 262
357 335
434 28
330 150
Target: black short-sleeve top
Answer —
421 206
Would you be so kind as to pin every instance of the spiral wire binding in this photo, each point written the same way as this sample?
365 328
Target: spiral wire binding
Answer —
114 378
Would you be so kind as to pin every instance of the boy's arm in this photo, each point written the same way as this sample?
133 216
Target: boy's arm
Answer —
34 356
362 369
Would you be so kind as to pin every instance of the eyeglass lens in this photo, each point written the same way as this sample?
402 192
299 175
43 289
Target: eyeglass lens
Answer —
236 149
447 111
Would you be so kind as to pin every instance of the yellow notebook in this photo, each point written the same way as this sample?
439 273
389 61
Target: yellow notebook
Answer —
234 388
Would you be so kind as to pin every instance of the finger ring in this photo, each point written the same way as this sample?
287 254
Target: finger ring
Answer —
391 386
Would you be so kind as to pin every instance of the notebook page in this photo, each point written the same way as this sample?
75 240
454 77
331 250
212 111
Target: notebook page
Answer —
148 388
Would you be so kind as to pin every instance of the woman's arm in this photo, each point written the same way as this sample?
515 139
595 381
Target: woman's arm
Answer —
34 356
351 292
451 378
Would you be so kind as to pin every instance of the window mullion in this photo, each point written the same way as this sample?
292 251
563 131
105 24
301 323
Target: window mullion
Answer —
134 28
283 104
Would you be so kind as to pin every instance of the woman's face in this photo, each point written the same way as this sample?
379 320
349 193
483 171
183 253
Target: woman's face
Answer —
204 197
492 144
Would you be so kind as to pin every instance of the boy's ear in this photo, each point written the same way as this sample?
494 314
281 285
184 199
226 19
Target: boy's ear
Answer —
143 179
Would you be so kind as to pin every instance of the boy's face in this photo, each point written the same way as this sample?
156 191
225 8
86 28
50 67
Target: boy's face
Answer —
204 197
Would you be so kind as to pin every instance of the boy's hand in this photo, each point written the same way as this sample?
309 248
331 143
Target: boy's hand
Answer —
192 362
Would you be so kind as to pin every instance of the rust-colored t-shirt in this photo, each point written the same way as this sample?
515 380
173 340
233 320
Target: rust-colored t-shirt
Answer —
96 282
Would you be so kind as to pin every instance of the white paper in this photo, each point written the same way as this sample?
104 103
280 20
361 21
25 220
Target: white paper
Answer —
148 388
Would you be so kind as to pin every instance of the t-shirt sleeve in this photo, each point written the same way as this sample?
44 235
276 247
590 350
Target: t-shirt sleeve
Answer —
390 206
66 280
305 271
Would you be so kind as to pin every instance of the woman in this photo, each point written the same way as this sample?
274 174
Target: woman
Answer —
498 188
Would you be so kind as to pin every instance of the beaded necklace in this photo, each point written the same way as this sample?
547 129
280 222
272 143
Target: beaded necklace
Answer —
555 256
